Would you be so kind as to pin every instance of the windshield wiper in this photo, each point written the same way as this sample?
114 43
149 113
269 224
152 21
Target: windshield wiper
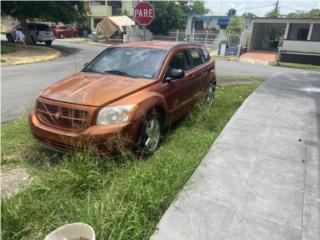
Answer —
87 69
116 72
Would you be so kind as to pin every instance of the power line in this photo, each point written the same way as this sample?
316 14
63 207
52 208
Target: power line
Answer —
248 8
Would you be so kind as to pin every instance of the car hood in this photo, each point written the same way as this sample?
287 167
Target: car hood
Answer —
93 89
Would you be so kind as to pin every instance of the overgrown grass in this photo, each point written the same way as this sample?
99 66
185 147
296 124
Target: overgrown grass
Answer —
121 199
8 48
297 65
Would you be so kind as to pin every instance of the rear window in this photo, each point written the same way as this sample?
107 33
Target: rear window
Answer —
43 27
196 57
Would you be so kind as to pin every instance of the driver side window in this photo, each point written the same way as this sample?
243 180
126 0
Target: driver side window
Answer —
180 61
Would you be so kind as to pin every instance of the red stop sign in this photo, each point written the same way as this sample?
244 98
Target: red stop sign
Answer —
143 13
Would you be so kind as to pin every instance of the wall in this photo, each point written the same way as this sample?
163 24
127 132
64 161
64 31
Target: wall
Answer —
127 7
301 46
315 33
100 11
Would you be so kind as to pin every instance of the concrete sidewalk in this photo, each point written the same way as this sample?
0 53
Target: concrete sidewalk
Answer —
260 180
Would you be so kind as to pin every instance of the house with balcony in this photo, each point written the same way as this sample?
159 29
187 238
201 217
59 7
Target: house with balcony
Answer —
293 40
102 9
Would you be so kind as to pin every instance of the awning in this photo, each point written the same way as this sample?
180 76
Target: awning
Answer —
223 22
110 25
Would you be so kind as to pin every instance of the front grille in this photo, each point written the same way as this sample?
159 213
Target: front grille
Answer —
62 117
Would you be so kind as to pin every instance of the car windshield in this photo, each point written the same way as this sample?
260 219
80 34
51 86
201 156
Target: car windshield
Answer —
132 62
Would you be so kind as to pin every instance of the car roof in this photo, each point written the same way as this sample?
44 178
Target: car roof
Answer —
165 45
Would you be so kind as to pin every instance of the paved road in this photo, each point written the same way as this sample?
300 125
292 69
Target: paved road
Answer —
261 178
22 83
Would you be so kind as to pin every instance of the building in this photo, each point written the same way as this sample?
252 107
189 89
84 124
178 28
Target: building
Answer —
295 40
102 9
198 23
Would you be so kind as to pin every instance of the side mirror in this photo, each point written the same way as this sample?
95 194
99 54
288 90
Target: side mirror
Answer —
175 74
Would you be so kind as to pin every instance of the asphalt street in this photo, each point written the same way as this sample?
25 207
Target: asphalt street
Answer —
21 84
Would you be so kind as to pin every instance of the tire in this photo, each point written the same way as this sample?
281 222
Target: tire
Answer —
34 42
10 38
150 134
209 96
48 43
61 35
75 34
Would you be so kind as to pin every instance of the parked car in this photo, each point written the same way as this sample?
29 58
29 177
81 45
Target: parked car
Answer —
39 33
124 97
65 31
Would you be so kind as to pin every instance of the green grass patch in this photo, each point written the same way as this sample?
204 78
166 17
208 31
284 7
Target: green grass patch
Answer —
8 48
239 79
297 65
121 199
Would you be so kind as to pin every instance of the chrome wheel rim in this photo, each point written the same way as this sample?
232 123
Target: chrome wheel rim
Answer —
210 94
152 134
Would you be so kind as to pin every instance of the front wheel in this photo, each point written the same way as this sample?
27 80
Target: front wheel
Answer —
210 94
48 43
150 133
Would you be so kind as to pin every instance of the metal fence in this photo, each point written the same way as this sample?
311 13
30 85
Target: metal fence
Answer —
207 38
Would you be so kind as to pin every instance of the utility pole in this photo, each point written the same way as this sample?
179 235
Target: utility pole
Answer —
276 7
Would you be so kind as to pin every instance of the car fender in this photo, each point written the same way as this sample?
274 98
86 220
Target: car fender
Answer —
145 101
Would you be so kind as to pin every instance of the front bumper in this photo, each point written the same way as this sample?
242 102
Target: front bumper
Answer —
104 139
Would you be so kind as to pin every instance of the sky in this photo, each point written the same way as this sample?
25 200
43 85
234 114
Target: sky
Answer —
260 7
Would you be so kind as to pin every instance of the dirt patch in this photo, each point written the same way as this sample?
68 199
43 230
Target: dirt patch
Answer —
13 181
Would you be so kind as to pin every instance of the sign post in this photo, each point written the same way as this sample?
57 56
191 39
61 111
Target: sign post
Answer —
143 14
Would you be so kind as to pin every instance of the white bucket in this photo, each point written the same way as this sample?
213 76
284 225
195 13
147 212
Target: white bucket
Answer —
73 231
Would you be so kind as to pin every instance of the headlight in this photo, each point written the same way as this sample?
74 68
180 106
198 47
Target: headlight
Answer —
115 114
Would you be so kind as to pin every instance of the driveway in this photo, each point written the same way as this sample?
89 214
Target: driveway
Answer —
22 83
261 178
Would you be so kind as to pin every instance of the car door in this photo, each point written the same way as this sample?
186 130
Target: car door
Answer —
179 92
198 71
209 70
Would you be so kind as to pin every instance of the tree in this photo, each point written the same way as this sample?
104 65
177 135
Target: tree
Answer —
236 24
314 13
64 11
168 16
275 13
198 7
172 14
193 7
249 15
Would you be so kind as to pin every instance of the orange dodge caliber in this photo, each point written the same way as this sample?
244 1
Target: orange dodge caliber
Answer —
124 97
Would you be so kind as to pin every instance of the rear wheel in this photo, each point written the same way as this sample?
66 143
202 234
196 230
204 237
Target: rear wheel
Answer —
10 38
210 94
34 41
48 43
150 133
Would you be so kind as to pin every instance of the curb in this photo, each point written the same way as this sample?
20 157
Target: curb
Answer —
54 54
